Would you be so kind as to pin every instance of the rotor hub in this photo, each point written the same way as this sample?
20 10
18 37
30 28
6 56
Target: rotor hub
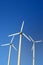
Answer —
20 33
11 44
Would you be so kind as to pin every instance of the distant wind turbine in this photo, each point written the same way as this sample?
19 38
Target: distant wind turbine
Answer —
11 45
33 48
20 41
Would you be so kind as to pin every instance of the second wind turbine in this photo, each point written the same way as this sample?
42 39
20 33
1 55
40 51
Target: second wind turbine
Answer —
11 45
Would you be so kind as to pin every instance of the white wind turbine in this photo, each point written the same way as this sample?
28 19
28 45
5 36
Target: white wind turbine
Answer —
11 45
20 41
33 48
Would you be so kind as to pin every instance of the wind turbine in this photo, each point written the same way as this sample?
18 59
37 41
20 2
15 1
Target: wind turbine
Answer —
11 45
20 41
33 48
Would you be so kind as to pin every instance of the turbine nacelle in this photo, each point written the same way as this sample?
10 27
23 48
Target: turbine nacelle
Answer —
13 34
11 44
20 33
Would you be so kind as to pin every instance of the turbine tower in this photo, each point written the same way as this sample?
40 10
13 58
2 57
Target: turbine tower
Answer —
33 48
10 48
20 41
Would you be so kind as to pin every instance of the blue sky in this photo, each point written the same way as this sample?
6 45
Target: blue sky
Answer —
12 13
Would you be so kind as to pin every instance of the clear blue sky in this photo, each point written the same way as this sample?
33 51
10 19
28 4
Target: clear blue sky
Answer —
12 13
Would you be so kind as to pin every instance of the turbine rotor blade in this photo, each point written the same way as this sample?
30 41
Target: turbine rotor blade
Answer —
5 44
26 36
31 38
13 34
39 41
14 47
22 26
12 39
